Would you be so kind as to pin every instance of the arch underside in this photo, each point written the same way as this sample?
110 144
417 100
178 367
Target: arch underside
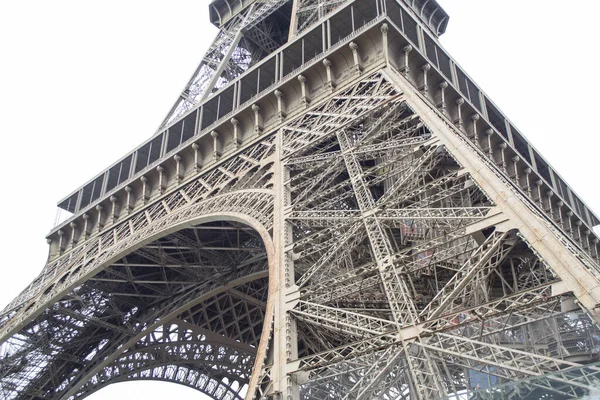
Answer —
206 242
187 308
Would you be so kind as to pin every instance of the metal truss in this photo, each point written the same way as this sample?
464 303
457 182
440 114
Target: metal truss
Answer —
128 296
186 354
308 12
243 41
420 299
358 245
424 295
164 275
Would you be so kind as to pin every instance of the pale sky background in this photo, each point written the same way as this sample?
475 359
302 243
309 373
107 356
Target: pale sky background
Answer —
83 83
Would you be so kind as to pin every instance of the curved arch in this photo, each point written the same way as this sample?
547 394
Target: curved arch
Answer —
216 361
189 300
227 394
343 62
257 203
222 208
316 78
47 287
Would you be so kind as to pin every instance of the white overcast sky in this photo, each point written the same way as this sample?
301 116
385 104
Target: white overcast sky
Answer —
82 83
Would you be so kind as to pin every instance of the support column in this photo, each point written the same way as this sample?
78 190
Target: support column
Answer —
441 105
474 135
330 81
197 166
405 68
587 245
113 213
549 195
50 250
128 202
356 57
258 126
515 161
285 342
216 149
178 171
99 224
424 88
61 235
527 181
488 133
384 36
280 106
458 121
561 222
502 148
86 226
236 133
161 179
570 223
579 236
539 199
305 99
145 194
73 240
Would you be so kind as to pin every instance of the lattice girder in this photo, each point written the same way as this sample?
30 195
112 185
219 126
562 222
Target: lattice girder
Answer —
163 281
475 256
351 234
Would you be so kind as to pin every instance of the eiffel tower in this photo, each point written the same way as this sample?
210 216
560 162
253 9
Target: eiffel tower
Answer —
332 209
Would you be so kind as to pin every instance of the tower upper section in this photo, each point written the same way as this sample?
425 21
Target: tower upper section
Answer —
308 12
254 56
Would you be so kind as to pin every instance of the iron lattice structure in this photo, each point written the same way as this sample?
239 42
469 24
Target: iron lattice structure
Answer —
332 210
